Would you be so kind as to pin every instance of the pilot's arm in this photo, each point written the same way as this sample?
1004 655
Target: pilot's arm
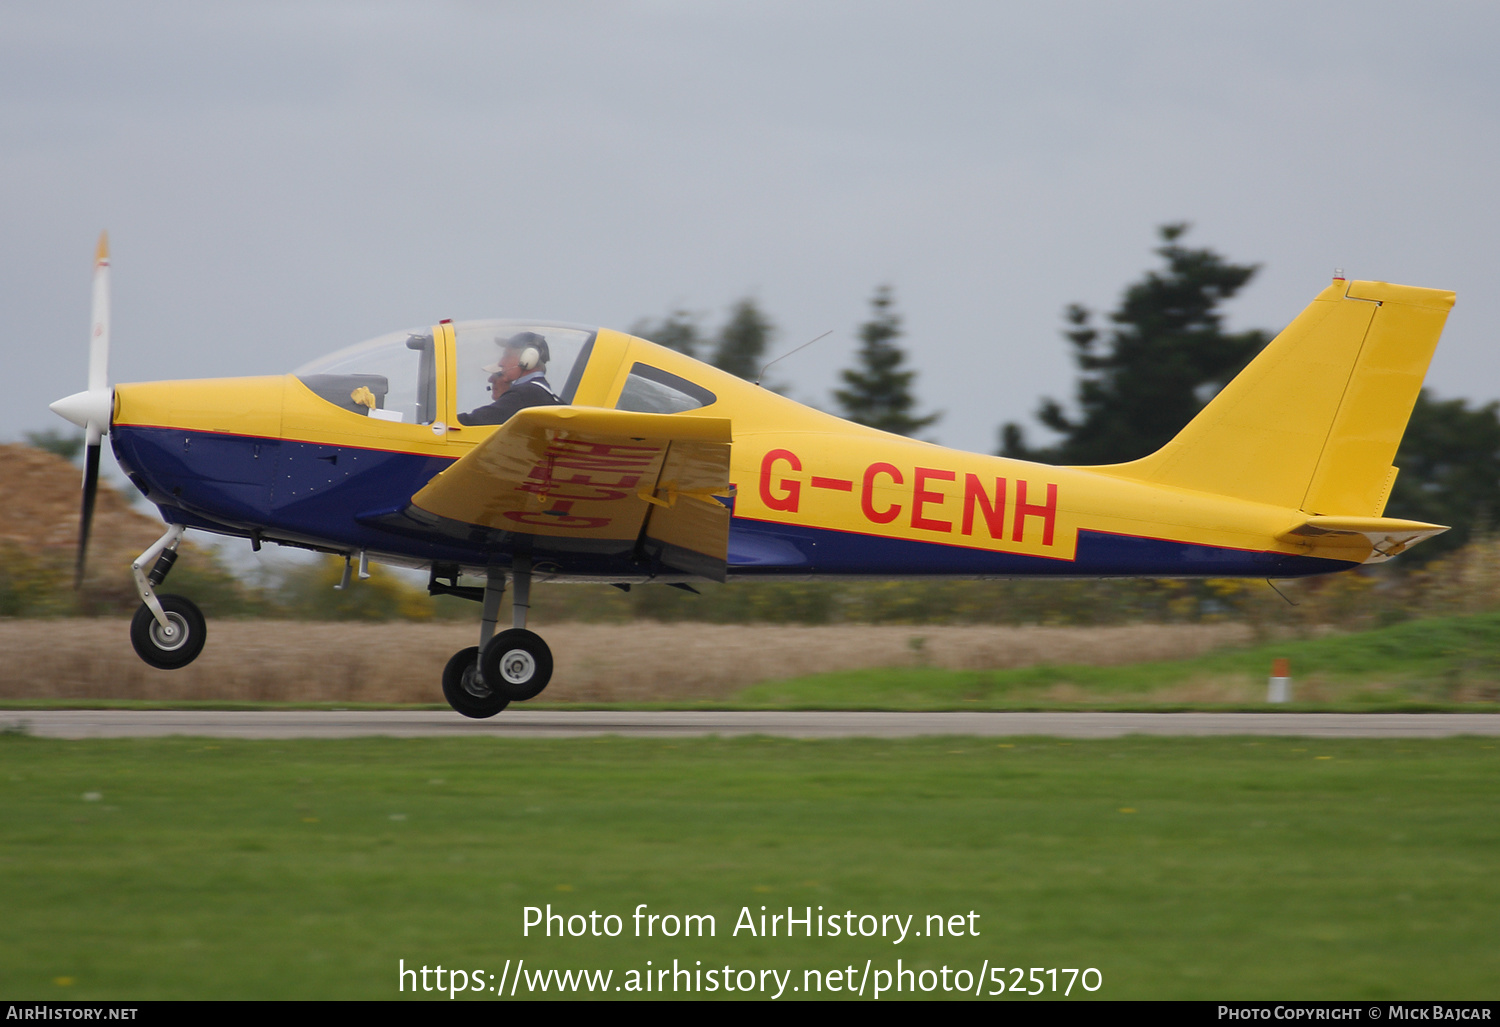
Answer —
534 393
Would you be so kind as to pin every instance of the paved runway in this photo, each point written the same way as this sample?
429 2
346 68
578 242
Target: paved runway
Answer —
583 724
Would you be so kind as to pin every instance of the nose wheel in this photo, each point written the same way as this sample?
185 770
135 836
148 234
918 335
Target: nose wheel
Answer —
175 643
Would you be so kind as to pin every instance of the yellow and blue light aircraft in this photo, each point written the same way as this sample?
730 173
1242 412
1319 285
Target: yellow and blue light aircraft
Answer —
654 467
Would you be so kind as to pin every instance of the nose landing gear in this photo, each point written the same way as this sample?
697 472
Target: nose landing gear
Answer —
168 631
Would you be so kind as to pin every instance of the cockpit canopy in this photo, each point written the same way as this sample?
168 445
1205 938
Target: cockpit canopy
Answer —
395 377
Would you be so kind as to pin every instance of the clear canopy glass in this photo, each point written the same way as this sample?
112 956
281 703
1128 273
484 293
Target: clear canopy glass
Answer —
393 377
563 351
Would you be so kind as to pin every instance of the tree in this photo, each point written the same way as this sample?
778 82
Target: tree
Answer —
878 392
53 441
741 346
679 331
1164 358
1450 472
1167 355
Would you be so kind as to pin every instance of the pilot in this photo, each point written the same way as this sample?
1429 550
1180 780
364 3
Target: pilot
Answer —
518 380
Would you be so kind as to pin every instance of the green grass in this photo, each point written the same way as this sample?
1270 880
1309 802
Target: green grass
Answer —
1440 664
1180 868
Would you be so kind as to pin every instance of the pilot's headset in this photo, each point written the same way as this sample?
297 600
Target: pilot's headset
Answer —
531 350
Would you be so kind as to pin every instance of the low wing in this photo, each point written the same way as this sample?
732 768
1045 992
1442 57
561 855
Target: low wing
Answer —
1370 539
568 475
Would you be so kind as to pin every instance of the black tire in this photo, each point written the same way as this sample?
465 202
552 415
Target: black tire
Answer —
169 650
517 663
466 691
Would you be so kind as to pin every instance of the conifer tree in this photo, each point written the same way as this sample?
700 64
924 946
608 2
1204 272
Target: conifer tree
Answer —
53 441
1450 472
678 330
741 346
1167 355
1163 359
878 390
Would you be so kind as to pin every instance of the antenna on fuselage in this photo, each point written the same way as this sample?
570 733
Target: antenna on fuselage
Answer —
799 349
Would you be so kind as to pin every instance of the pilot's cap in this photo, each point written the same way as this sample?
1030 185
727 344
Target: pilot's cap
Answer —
520 343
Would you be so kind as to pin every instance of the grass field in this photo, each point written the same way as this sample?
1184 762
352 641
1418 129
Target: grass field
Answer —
1179 868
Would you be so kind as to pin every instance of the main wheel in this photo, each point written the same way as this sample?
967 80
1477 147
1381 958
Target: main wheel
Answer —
518 663
175 645
466 691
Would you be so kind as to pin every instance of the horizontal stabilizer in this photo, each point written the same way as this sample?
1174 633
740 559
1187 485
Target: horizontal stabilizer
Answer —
1380 537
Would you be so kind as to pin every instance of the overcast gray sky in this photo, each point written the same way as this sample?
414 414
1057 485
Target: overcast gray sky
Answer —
282 179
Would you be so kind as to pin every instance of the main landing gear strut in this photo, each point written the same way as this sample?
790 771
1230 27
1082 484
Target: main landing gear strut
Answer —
168 631
506 667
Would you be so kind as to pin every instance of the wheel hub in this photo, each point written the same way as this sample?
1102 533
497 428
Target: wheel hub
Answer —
171 636
517 666
474 684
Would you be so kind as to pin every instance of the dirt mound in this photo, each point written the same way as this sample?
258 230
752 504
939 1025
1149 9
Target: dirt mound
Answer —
44 495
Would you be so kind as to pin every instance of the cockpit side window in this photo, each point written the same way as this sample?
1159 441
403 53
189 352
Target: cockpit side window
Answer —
650 390
344 390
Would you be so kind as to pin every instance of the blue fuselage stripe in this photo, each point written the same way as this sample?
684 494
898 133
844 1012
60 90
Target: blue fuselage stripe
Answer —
326 495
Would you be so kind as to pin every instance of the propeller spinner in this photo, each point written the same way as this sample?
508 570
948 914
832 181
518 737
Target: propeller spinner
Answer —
91 409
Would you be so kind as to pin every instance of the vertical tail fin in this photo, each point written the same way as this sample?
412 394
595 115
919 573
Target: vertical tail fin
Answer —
1314 421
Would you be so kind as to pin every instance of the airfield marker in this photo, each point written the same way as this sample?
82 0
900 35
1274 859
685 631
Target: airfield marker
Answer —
1279 688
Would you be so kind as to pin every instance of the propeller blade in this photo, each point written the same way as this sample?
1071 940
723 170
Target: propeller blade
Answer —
86 519
99 333
92 409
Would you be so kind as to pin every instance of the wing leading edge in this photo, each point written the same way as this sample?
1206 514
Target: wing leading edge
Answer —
569 475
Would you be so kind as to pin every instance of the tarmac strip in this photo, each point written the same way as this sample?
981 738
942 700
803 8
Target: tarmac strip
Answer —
788 724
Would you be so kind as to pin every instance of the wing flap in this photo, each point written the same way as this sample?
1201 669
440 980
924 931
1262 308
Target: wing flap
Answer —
687 525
